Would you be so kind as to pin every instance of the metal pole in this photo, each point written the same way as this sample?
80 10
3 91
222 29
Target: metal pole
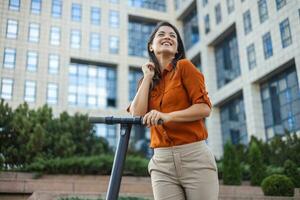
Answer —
120 155
118 165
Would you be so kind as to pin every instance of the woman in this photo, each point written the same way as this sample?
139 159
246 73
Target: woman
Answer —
173 90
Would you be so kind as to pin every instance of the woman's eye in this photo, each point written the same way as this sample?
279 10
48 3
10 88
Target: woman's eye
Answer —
160 34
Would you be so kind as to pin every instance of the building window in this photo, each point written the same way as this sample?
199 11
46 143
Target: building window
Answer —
190 25
247 22
6 90
267 43
138 34
281 103
55 36
227 60
9 60
14 5
53 64
230 6
233 122
285 31
56 10
114 19
36 6
218 13
52 93
75 39
95 16
197 62
262 10
204 3
30 91
251 56
76 12
12 29
95 41
32 61
34 32
92 86
109 132
280 4
134 76
207 24
149 4
113 44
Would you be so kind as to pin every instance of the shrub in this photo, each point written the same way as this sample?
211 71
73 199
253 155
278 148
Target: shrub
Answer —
257 168
134 165
291 171
277 185
231 166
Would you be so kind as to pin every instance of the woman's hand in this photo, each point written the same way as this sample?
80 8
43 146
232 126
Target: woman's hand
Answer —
152 117
148 69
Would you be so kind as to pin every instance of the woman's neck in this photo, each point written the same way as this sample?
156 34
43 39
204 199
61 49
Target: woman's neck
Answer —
164 61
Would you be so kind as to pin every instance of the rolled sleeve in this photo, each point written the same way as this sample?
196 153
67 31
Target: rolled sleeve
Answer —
193 81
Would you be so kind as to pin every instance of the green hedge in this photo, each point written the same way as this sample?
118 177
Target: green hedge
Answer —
134 165
278 185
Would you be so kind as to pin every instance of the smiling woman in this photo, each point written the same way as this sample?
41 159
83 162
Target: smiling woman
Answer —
173 90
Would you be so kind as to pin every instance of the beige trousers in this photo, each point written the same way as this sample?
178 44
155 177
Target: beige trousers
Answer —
185 172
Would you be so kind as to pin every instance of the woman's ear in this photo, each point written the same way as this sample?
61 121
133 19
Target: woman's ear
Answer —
150 48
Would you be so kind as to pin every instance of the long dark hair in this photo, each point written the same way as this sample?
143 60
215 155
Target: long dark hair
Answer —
179 55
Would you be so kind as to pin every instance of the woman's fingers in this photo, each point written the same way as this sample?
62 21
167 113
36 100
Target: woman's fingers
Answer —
151 118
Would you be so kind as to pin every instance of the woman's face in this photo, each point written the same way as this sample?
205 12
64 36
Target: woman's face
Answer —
165 41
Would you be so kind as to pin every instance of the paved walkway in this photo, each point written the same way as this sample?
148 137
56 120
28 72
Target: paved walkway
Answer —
53 186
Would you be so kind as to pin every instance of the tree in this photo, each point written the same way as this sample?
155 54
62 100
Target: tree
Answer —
231 166
257 168
291 171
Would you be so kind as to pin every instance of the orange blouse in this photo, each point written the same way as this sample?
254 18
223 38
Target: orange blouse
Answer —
178 89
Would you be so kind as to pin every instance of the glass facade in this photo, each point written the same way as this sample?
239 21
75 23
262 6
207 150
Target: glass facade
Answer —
53 64
9 58
108 132
285 32
6 89
233 122
92 86
114 19
55 36
32 61
280 4
227 60
230 6
158 5
280 97
114 44
134 76
76 12
263 10
197 62
218 13
30 91
207 24
36 6
267 44
34 32
56 8
191 29
52 93
247 22
12 29
138 34
251 56
14 5
75 38
95 16
95 42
